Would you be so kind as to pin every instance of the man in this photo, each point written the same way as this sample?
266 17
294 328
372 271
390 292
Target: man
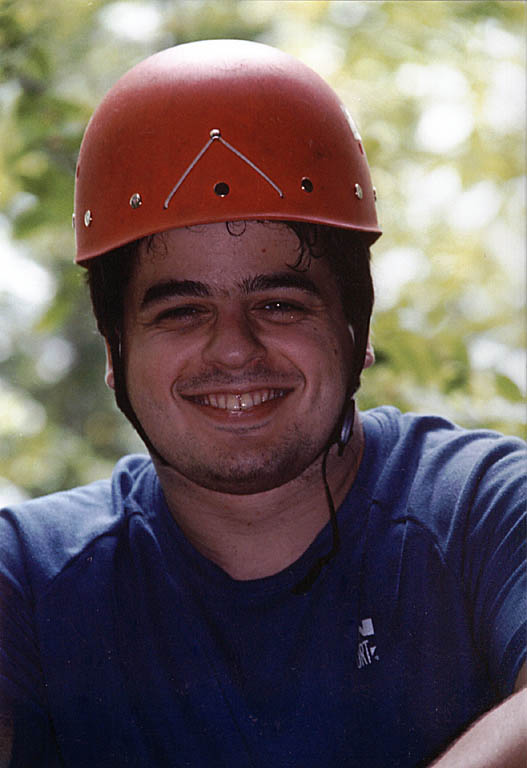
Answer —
283 583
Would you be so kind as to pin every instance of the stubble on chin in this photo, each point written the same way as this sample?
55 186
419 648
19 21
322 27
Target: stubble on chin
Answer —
250 472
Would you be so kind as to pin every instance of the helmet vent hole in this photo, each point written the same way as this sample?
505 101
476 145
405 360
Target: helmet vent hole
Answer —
307 184
221 189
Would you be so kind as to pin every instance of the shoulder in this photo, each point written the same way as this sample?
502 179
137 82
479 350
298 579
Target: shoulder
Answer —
433 471
448 506
421 446
424 434
44 534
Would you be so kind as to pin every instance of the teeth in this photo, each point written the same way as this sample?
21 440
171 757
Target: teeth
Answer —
233 403
246 401
241 402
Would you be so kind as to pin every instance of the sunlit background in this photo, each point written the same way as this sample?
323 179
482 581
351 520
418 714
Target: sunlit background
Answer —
438 92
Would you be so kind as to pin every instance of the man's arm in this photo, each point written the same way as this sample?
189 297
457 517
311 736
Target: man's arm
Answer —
496 740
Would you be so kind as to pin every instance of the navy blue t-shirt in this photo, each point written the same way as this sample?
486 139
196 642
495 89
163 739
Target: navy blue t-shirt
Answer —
121 645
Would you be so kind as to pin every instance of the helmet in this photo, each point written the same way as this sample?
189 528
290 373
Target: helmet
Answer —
218 130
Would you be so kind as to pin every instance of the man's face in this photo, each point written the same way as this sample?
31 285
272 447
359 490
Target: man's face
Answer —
236 365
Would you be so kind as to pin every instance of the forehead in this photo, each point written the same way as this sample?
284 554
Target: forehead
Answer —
223 255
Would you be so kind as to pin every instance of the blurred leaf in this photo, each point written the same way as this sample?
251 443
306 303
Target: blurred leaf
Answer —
507 389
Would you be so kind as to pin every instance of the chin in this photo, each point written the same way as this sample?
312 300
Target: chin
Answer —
250 474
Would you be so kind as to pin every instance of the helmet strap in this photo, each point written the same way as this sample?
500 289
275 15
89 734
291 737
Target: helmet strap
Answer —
312 575
121 394
341 436
345 427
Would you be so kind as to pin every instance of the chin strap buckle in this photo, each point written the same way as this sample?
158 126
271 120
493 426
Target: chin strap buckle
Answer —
346 427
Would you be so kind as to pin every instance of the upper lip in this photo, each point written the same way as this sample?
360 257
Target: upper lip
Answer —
227 385
236 382
222 390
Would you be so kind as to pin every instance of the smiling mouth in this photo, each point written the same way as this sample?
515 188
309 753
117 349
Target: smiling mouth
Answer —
244 401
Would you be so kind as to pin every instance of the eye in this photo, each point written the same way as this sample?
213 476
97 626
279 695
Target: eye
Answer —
281 306
182 315
281 311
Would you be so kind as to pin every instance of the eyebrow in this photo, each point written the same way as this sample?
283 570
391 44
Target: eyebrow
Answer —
167 289
279 280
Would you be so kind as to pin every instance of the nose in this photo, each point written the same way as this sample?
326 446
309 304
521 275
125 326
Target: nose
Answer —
233 342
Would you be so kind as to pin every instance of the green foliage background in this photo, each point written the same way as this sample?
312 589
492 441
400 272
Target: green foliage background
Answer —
437 88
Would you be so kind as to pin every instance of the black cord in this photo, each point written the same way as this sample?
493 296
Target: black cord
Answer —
307 582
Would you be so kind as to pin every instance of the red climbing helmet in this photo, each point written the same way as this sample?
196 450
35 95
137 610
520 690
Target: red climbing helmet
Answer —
218 130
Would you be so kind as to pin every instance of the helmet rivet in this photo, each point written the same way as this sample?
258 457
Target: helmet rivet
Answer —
221 189
136 200
88 218
215 133
307 184
358 191
73 221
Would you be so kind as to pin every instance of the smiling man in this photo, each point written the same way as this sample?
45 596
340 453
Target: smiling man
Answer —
245 361
281 582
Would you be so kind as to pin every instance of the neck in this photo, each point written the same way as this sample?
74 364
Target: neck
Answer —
256 535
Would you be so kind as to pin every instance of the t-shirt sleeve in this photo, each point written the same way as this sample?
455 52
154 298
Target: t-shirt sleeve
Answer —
22 691
494 566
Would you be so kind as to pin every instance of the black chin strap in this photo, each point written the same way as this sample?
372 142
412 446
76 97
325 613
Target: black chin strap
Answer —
347 421
121 395
341 437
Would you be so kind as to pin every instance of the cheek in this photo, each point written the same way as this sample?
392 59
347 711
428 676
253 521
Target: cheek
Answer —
338 362
322 355
150 365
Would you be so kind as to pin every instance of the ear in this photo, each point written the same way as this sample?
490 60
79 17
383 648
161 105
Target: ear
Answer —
369 357
108 376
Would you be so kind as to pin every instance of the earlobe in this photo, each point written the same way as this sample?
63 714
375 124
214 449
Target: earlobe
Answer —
369 357
108 376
